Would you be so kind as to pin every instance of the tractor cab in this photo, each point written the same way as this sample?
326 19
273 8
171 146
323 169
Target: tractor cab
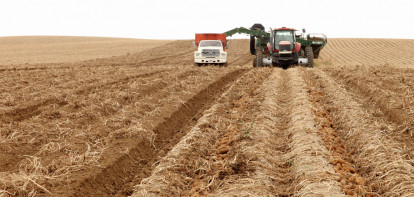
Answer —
284 39
283 45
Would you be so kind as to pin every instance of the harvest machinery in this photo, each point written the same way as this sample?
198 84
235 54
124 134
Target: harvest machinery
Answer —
282 46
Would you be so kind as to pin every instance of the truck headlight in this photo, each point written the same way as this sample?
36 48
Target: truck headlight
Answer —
223 54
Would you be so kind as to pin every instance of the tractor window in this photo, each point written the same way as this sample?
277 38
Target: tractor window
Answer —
284 36
210 43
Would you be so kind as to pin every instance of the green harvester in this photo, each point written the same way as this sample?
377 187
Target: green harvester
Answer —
282 47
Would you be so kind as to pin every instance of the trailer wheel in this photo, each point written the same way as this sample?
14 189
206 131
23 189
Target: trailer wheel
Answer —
309 55
259 57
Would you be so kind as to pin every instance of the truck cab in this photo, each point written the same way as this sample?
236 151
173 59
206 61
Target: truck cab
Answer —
210 49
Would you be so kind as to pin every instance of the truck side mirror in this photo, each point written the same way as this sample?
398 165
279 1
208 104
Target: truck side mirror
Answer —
227 44
194 45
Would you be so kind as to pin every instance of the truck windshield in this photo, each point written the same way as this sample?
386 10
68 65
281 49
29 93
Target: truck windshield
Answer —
284 36
210 43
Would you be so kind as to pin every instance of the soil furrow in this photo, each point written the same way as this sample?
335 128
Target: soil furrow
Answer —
138 162
230 163
389 102
310 159
20 114
380 160
352 182
265 143
13 160
380 94
202 160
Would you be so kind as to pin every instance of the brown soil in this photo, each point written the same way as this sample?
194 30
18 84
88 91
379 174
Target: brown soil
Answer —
137 118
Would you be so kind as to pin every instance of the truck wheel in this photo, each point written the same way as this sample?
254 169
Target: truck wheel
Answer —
309 55
259 57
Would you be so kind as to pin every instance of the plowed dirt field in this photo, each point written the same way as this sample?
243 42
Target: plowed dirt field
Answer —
147 122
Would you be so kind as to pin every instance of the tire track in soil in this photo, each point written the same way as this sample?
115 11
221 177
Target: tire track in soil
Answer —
12 160
119 177
352 182
378 159
20 114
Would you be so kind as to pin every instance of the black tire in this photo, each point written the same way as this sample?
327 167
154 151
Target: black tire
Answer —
254 63
252 38
259 57
252 45
257 26
309 56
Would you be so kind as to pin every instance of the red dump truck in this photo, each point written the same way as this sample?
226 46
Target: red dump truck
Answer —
210 48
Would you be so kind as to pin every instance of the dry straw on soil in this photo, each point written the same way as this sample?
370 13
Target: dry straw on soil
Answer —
313 174
176 174
66 128
380 159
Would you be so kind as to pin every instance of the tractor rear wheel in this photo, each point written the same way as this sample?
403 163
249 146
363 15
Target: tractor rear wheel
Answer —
259 57
252 38
252 45
309 56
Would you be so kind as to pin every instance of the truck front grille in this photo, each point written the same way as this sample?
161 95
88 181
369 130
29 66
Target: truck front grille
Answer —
210 53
